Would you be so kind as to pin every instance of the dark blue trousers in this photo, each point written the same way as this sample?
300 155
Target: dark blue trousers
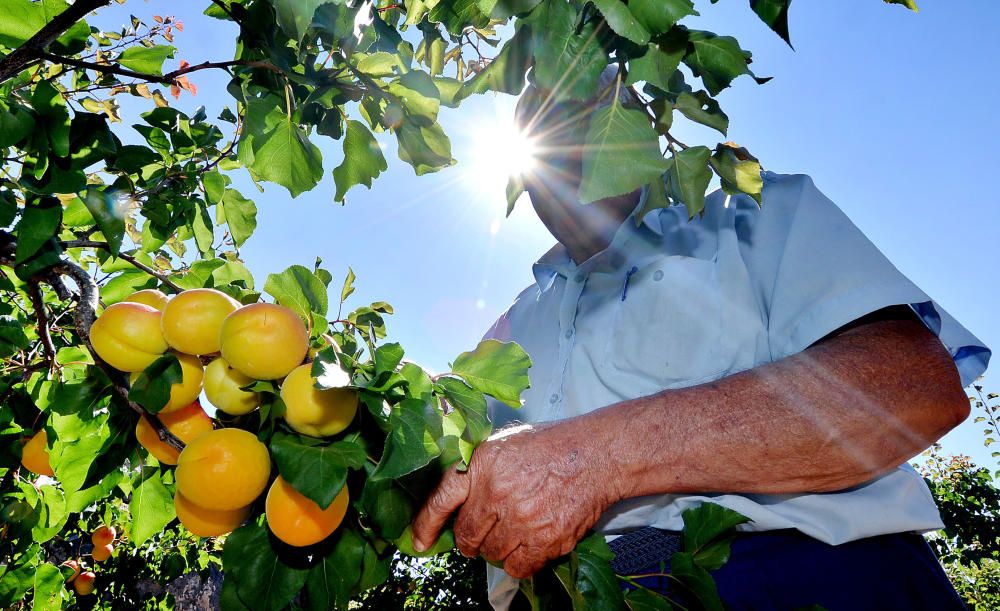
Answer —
785 570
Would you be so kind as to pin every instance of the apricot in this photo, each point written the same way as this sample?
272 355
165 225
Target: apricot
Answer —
150 297
103 535
127 336
264 341
102 553
208 522
315 412
186 391
84 584
35 454
299 521
223 469
191 320
187 423
223 387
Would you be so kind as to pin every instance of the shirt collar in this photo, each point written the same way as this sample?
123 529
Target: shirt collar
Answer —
557 262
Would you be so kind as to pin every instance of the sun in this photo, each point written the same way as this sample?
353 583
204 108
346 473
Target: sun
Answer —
500 150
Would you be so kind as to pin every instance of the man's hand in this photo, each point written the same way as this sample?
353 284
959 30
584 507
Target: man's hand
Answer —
528 496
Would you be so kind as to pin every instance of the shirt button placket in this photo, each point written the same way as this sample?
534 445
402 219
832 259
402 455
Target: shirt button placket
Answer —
567 323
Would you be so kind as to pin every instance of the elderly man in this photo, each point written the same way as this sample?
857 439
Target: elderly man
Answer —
768 359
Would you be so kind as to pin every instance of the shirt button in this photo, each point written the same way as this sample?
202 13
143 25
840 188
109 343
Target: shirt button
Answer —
658 275
553 398
568 334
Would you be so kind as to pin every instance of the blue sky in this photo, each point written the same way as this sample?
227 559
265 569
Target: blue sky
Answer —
892 113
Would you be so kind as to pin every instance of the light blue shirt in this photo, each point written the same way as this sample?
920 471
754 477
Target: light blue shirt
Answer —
673 303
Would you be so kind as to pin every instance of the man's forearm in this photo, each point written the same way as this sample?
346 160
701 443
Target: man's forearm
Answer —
834 416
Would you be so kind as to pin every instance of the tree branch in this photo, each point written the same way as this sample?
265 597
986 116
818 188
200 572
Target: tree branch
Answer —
38 304
164 279
19 58
84 315
169 78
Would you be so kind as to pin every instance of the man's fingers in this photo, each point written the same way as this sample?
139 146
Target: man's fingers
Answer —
498 544
524 562
473 524
449 495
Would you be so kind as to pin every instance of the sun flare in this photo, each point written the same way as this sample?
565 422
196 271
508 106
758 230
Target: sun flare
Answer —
500 151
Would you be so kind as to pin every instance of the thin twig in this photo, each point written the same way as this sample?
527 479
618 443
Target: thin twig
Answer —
164 279
169 78
38 304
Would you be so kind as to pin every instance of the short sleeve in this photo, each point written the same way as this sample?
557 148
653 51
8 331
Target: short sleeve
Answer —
814 272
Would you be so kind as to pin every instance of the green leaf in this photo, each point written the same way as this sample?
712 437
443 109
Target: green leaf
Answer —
78 430
716 59
702 108
595 580
505 74
300 289
419 95
387 358
264 581
201 226
363 160
148 60
775 14
348 288
151 507
109 215
646 600
48 588
409 445
50 514
151 389
456 15
653 197
335 576
739 174
286 156
658 16
471 404
317 471
51 108
427 149
15 125
497 369
688 178
294 16
706 522
12 337
622 153
445 542
696 580
22 19
658 63
568 61
241 215
622 21
39 223
910 4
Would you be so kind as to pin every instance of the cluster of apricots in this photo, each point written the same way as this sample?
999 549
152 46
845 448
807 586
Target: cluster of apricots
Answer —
222 471
83 582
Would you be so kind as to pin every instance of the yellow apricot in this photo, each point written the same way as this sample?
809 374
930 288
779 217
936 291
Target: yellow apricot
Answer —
223 469
186 391
127 336
186 423
102 553
150 297
208 522
223 386
84 583
315 412
191 320
35 454
298 520
264 341
103 535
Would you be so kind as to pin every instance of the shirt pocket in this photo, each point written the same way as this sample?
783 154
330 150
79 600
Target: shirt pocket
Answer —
666 331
